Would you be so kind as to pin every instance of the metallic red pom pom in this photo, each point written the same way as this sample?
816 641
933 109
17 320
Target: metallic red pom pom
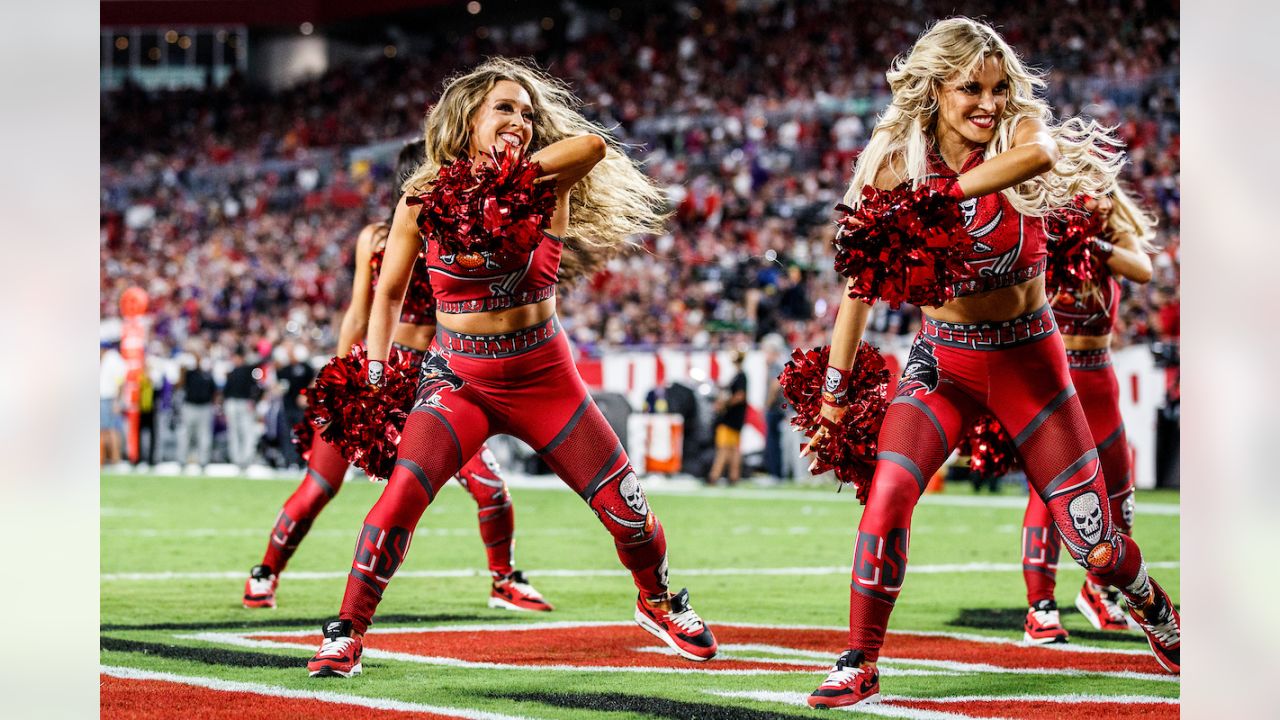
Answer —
902 245
1072 262
991 451
364 423
851 446
487 207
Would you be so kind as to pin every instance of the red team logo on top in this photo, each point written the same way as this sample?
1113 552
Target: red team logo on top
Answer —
995 249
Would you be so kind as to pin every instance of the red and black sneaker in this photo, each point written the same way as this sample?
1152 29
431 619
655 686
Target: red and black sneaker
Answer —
1163 626
260 588
513 592
1043 626
850 682
673 622
1101 607
339 654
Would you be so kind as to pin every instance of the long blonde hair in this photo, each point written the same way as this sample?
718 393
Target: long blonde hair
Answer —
1089 156
613 203
1128 217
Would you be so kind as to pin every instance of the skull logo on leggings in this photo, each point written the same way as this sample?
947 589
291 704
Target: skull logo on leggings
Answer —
633 494
1086 516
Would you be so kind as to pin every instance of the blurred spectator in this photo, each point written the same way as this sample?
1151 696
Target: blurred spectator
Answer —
147 416
198 394
775 414
294 378
111 374
731 415
240 396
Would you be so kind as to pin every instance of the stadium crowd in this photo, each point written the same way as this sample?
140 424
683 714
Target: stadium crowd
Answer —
237 208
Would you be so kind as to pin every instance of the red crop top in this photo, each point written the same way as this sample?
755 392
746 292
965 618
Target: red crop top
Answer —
481 282
1087 313
1007 247
419 306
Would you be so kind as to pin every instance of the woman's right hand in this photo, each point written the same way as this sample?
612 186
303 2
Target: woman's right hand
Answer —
831 416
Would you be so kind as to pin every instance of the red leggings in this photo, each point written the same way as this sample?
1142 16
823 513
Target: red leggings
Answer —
1017 371
523 384
325 470
1099 393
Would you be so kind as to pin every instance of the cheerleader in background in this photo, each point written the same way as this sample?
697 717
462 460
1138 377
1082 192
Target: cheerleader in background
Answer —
326 465
1086 315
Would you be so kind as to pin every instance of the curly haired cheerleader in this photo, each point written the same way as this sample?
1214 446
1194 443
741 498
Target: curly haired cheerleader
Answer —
326 466
965 120
1085 311
500 362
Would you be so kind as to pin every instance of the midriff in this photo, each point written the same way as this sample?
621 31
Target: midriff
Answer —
496 322
417 337
993 305
1087 342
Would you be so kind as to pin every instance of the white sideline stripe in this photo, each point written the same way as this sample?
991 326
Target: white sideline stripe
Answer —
127 673
940 569
1070 698
886 709
879 708
803 658
333 533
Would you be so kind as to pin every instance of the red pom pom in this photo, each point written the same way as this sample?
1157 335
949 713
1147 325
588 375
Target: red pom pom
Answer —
1072 261
304 431
850 449
902 245
487 207
364 423
991 451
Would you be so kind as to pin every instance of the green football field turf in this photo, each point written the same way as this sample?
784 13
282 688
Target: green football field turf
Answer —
176 550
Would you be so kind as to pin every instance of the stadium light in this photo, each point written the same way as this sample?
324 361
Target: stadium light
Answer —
306 28
473 7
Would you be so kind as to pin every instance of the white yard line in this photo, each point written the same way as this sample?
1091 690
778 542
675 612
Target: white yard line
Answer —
881 709
943 569
886 707
127 673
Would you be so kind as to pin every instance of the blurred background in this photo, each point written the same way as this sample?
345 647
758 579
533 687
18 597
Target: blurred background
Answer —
244 145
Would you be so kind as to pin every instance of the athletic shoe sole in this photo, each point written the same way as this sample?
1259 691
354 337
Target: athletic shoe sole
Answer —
259 603
1171 669
332 672
1087 611
643 621
499 603
1055 640
825 704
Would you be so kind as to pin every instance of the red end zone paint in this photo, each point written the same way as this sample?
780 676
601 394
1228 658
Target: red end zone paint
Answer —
1022 709
628 646
123 699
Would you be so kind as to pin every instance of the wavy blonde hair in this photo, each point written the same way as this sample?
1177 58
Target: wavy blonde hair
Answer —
613 203
1127 217
1089 156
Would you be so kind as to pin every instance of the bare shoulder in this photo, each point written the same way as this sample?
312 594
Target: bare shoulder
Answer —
1027 128
892 172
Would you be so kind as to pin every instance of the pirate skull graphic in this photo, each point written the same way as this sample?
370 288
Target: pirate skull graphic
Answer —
1086 516
633 494
969 208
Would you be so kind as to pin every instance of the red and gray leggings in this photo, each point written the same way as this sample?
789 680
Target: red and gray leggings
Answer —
1017 371
1099 393
326 467
523 384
